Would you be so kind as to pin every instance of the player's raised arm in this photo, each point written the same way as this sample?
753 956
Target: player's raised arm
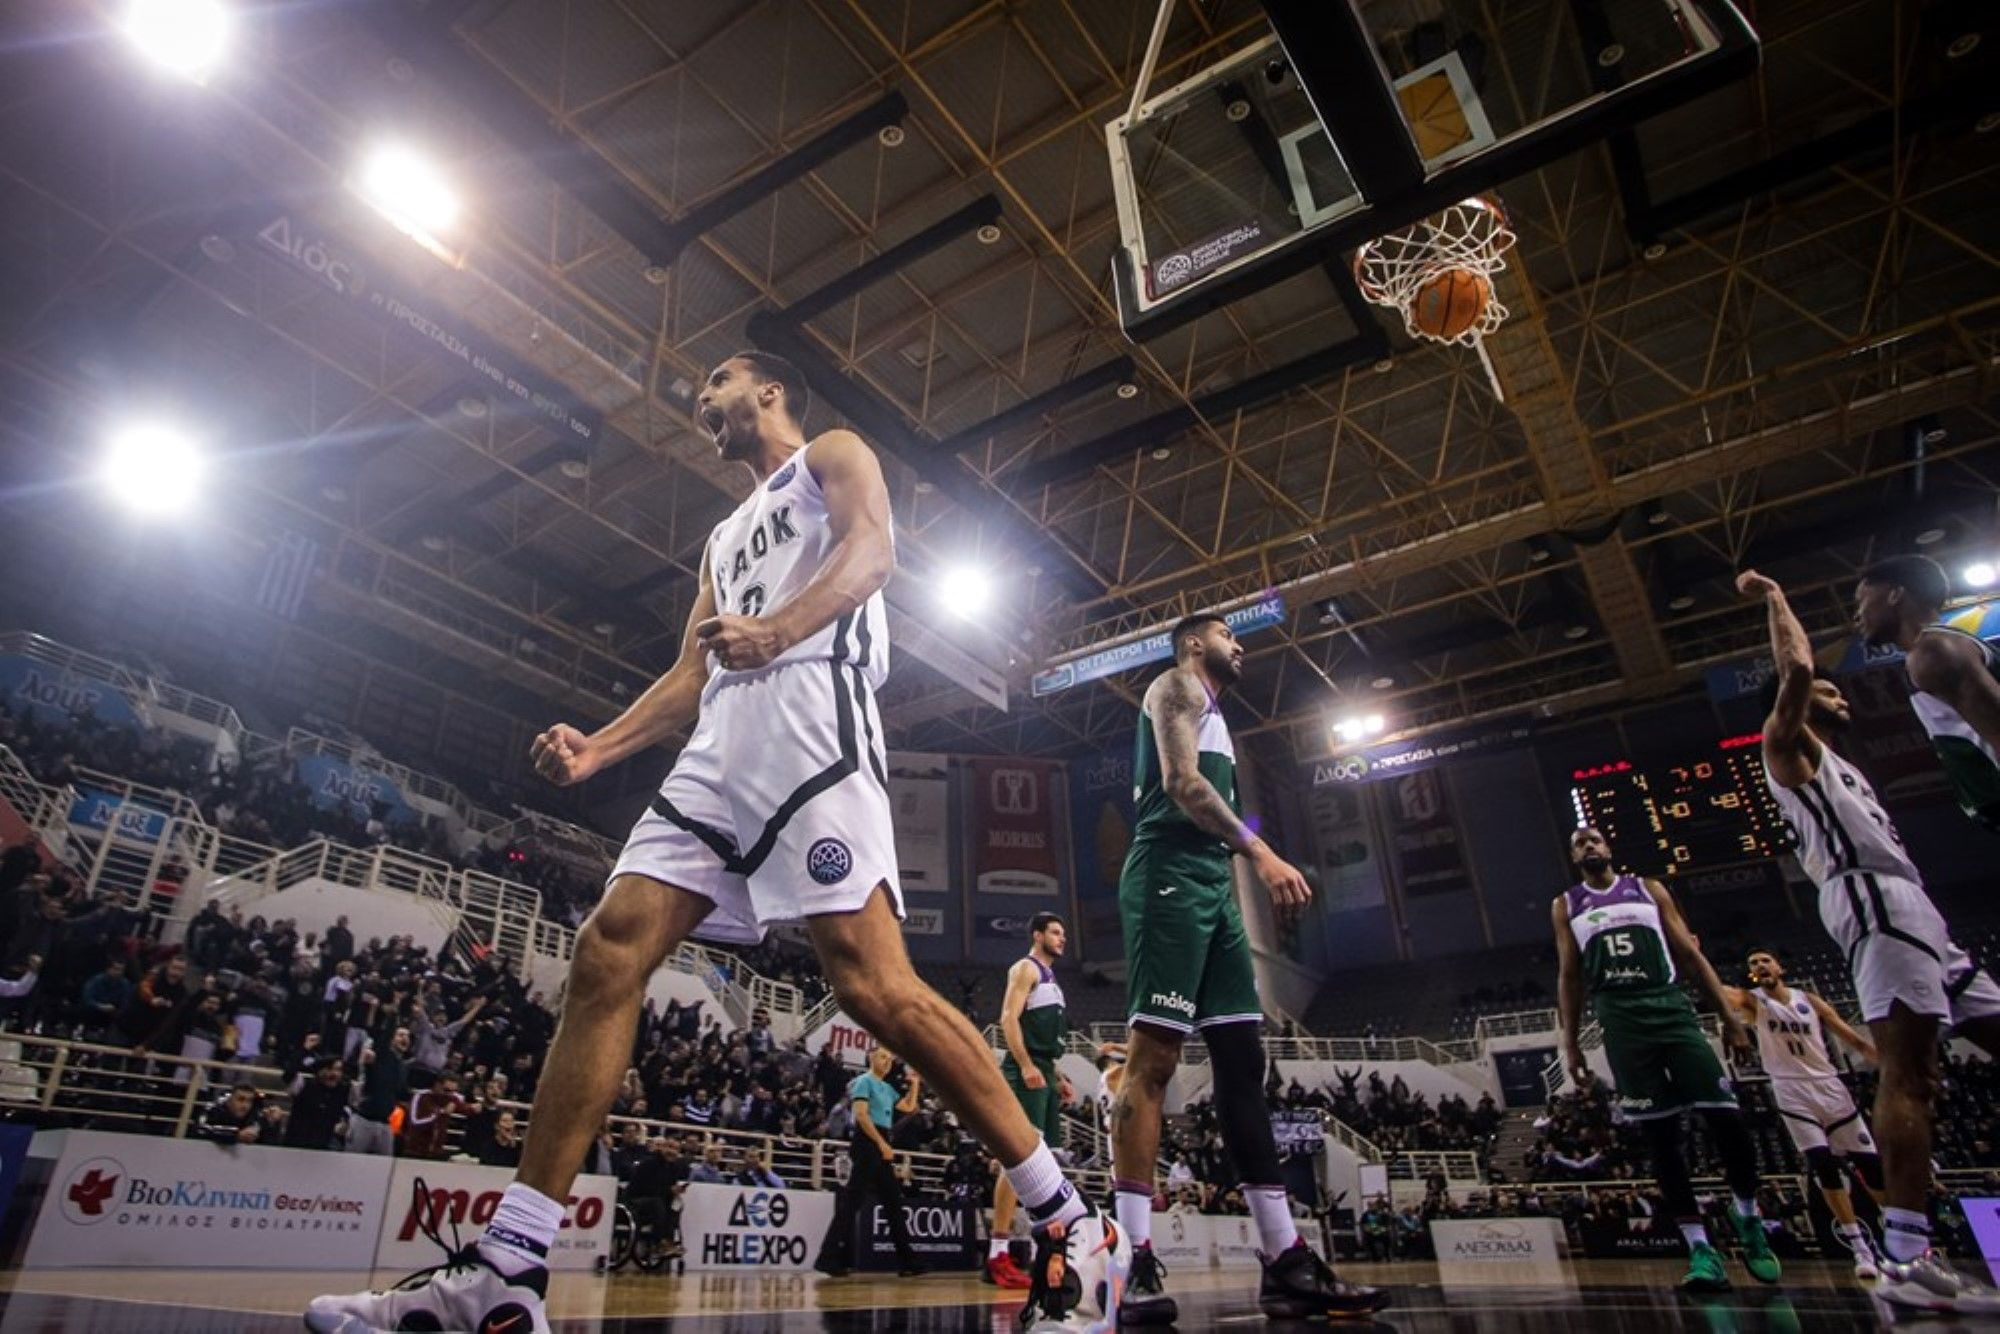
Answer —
1841 1029
1953 668
1785 754
1689 956
564 755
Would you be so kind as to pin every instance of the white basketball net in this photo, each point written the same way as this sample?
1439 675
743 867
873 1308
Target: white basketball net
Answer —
1472 235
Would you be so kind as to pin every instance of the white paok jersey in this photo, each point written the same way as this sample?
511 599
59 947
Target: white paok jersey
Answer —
1789 1042
1838 828
764 554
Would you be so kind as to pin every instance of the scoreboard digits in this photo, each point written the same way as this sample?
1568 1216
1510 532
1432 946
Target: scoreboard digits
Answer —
1705 812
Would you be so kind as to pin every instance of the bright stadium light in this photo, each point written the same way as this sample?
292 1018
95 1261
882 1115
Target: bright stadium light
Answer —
409 190
188 37
964 591
152 467
1361 727
1981 574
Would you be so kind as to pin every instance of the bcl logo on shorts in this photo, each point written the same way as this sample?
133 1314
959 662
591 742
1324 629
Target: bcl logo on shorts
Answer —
828 861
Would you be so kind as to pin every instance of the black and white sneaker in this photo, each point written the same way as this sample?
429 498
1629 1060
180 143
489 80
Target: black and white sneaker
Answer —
464 1293
1299 1285
1146 1300
1078 1277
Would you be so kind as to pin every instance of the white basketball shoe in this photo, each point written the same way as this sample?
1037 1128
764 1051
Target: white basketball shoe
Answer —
1078 1277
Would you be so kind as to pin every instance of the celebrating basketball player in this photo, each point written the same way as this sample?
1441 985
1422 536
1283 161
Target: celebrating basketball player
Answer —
1910 978
1825 1125
776 809
1034 1023
1954 675
1189 968
1619 938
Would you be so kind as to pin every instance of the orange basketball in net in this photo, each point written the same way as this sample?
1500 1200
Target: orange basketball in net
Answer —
1449 304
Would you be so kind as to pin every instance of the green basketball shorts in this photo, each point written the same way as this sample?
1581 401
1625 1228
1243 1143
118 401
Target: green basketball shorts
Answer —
1187 955
1660 1060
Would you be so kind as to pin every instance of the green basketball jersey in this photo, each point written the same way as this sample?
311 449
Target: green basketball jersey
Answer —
1969 763
1044 1022
1618 929
1159 816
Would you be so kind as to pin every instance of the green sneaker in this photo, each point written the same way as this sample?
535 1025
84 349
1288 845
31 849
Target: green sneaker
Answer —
1757 1257
1705 1272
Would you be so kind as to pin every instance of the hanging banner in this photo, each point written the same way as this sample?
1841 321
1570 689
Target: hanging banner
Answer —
1886 740
849 1040
467 1194
56 694
97 811
1350 865
143 1200
1299 1131
335 784
1102 816
1429 855
920 796
1401 757
312 249
1015 826
1265 612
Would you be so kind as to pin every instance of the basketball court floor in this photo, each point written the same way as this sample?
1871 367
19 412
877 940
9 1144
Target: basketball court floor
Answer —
1599 1296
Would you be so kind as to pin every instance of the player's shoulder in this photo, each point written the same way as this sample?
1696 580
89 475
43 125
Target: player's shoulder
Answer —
1177 685
831 448
1939 655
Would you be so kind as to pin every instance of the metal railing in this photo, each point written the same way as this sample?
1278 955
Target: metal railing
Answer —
1514 1023
1455 1165
57 1081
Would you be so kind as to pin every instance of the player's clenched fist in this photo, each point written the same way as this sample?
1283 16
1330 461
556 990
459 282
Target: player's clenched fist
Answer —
564 755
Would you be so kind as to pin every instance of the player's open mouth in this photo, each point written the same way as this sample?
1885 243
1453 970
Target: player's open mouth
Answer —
714 422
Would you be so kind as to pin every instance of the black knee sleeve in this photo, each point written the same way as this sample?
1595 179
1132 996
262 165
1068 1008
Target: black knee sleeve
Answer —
1738 1153
1236 1055
1826 1169
1670 1167
1868 1167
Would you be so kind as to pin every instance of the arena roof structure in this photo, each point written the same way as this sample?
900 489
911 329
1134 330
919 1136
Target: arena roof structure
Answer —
1776 314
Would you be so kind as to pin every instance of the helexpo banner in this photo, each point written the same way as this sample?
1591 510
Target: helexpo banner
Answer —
140 1200
749 1227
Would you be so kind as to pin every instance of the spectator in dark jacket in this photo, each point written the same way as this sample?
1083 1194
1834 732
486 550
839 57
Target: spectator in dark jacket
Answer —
318 1107
339 941
233 1118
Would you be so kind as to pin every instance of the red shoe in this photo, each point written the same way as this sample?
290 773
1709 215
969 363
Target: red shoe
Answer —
1002 1272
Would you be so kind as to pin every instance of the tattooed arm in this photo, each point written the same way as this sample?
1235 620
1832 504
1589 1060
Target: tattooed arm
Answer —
1175 703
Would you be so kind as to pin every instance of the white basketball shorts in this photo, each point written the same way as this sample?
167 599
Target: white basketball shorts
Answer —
1820 1114
1898 948
778 807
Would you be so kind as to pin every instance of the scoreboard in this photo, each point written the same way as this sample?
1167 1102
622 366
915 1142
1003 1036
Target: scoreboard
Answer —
1707 810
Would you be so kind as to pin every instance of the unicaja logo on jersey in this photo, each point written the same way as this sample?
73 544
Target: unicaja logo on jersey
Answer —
828 861
1173 1000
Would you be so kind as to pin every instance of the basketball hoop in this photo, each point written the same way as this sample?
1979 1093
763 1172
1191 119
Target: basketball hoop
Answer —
1439 273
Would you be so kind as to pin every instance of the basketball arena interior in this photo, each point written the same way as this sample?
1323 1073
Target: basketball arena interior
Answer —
369 388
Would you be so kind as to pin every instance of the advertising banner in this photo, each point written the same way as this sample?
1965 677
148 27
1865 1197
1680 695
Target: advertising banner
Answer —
1102 815
1268 610
1497 1241
849 1040
1182 1241
467 1194
1618 1238
751 1228
1983 1216
1234 1241
1002 926
312 248
55 694
943 1237
1298 1132
920 795
1350 865
1886 740
140 1200
1015 826
1429 853
1401 757
923 921
336 784
98 811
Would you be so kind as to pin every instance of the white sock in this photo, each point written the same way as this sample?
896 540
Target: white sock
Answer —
1271 1206
999 1246
1135 1215
1746 1206
521 1231
1044 1190
1694 1234
1906 1233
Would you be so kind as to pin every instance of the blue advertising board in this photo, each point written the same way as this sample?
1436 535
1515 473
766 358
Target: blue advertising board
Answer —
1267 611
